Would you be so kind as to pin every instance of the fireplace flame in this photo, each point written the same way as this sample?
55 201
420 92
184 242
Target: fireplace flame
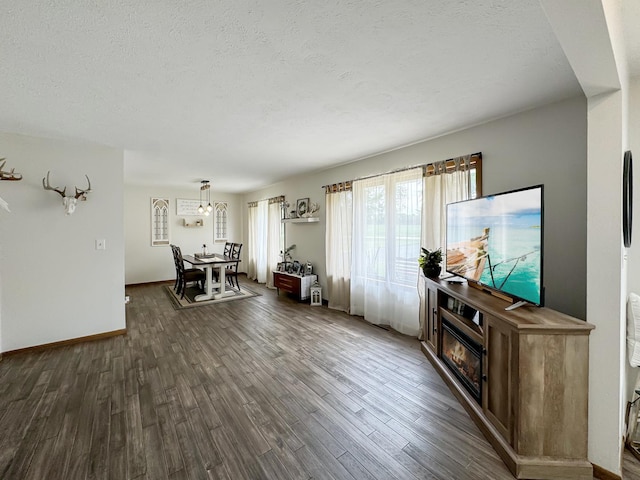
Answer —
464 360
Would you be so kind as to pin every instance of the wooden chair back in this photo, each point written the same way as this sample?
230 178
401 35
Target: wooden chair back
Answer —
232 270
179 259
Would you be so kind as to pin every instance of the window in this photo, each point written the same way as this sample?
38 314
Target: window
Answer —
387 216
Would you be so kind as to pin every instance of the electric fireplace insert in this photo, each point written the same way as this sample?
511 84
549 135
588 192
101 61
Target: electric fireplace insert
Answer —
463 356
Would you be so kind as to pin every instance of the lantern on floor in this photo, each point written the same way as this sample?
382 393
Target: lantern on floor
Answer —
316 294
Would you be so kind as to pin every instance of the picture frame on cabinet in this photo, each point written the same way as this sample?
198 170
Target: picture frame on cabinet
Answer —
296 267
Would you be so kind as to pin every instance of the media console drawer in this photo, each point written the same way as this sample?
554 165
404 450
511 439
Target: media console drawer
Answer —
295 284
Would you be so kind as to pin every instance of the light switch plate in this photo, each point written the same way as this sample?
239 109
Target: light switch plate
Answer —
101 244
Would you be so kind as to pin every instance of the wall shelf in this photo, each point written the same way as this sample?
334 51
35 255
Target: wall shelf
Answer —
301 220
194 224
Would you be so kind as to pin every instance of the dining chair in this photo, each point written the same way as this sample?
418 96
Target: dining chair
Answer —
187 275
228 247
175 264
231 271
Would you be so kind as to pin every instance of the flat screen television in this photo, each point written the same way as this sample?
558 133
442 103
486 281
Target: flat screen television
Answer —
497 241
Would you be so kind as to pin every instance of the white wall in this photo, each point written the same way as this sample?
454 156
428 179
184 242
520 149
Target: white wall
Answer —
608 123
546 145
633 253
634 145
144 263
56 285
605 287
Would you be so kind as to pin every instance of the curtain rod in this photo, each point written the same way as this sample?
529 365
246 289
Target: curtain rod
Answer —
424 165
278 198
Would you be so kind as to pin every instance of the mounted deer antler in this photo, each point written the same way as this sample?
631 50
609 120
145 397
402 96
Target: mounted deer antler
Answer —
82 194
10 175
68 202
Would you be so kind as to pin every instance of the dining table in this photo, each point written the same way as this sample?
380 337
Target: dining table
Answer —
208 263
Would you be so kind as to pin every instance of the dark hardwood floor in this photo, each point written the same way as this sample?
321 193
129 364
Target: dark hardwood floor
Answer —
260 388
630 466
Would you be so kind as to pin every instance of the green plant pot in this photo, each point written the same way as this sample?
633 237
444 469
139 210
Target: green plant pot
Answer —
432 272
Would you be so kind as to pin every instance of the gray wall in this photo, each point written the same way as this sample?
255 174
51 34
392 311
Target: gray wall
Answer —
144 263
546 146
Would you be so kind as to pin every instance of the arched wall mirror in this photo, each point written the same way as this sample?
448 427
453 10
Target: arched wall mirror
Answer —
627 198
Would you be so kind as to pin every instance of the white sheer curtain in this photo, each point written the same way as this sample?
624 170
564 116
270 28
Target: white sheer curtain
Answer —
252 242
274 229
387 213
338 238
439 189
263 240
258 225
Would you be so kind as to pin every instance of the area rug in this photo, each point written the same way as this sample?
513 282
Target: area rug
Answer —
189 295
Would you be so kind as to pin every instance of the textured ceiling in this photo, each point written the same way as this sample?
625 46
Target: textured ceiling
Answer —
247 92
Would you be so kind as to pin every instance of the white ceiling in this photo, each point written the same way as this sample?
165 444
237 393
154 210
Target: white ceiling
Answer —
248 92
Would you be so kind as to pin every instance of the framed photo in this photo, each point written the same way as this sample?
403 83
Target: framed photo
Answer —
302 206
308 269
296 267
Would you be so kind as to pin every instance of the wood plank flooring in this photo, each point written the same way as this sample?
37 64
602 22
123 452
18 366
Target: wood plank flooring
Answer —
630 466
261 388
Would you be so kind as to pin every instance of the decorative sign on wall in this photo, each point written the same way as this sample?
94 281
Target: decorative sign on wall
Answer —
186 206
220 212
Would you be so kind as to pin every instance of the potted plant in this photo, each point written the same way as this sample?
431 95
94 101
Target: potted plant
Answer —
429 261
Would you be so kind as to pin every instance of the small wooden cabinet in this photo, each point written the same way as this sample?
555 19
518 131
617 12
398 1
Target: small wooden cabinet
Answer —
531 399
295 284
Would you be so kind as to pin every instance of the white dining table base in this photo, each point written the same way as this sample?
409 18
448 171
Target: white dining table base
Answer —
209 293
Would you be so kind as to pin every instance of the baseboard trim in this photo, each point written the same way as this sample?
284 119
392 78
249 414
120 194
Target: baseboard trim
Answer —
604 474
64 343
161 282
158 282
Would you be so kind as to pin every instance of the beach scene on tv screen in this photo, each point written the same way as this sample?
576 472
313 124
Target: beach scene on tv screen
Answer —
497 241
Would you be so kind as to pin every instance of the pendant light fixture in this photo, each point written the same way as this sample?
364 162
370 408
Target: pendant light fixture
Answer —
206 194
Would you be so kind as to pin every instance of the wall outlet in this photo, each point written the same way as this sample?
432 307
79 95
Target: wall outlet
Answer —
101 244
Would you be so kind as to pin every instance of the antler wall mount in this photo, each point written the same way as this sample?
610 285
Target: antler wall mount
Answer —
8 175
69 202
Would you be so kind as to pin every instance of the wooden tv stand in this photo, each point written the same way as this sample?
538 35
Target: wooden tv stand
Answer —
528 391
